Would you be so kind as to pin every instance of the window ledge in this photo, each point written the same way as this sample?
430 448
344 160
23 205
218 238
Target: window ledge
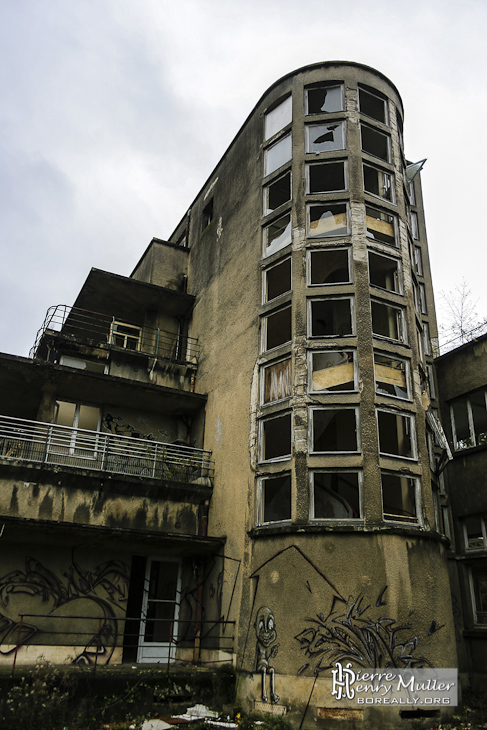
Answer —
271 530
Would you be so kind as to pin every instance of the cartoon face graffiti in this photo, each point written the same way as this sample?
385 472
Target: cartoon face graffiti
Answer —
266 649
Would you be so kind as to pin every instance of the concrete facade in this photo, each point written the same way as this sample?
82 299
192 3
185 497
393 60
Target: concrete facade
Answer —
263 427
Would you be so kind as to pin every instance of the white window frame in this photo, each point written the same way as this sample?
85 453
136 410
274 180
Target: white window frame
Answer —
336 407
309 255
311 336
323 86
263 368
407 375
383 174
417 498
332 234
323 163
136 337
267 249
371 237
264 280
377 96
260 499
327 520
398 277
401 322
265 319
287 161
265 192
262 421
382 134
327 123
286 108
311 390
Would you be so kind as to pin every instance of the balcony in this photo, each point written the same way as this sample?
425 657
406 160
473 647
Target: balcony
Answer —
52 445
101 330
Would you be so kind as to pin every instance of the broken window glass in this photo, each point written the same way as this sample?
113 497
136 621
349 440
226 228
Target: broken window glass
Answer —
399 497
331 317
475 536
277 328
479 585
275 499
384 272
326 177
277 280
396 434
276 437
329 266
373 105
469 421
277 155
377 182
335 495
380 225
375 143
325 137
324 99
278 118
391 376
277 193
277 235
332 370
334 429
388 321
327 219
276 381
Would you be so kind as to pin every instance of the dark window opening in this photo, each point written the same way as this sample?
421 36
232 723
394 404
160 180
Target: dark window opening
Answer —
380 226
373 105
277 193
474 531
396 434
469 421
278 280
332 370
336 496
207 215
479 581
375 143
377 182
384 272
276 437
330 266
334 429
278 328
387 321
326 177
399 498
324 99
331 317
276 499
327 220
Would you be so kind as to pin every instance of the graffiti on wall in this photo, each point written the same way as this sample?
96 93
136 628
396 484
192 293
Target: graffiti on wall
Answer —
265 650
120 427
79 608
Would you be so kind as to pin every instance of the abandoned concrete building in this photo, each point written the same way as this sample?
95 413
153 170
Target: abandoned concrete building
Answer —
234 454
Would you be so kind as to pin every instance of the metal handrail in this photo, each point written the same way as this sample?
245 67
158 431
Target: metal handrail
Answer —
48 443
102 329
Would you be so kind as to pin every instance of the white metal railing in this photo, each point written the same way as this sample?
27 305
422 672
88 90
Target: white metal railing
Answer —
47 443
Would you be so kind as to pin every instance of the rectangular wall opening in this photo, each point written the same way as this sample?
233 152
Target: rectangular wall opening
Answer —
277 328
399 498
276 437
334 429
325 137
388 321
380 226
335 496
277 193
327 219
332 370
375 143
277 381
396 434
331 317
275 499
384 272
329 266
391 376
277 280
377 182
326 177
324 99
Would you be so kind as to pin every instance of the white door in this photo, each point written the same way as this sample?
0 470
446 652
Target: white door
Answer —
160 610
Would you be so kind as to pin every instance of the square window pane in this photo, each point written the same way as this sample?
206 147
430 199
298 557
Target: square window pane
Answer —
327 219
277 193
380 226
332 370
331 317
277 280
384 272
276 437
377 182
387 321
336 495
325 137
279 117
277 381
329 266
391 376
326 177
334 429
277 328
277 154
399 498
277 235
324 99
276 499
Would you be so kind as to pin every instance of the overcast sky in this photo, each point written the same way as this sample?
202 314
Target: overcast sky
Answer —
113 114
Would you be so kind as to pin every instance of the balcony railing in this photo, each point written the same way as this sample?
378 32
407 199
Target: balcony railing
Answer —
47 443
102 329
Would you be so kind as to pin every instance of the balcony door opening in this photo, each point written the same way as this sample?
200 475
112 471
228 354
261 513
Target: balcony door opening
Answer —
160 611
